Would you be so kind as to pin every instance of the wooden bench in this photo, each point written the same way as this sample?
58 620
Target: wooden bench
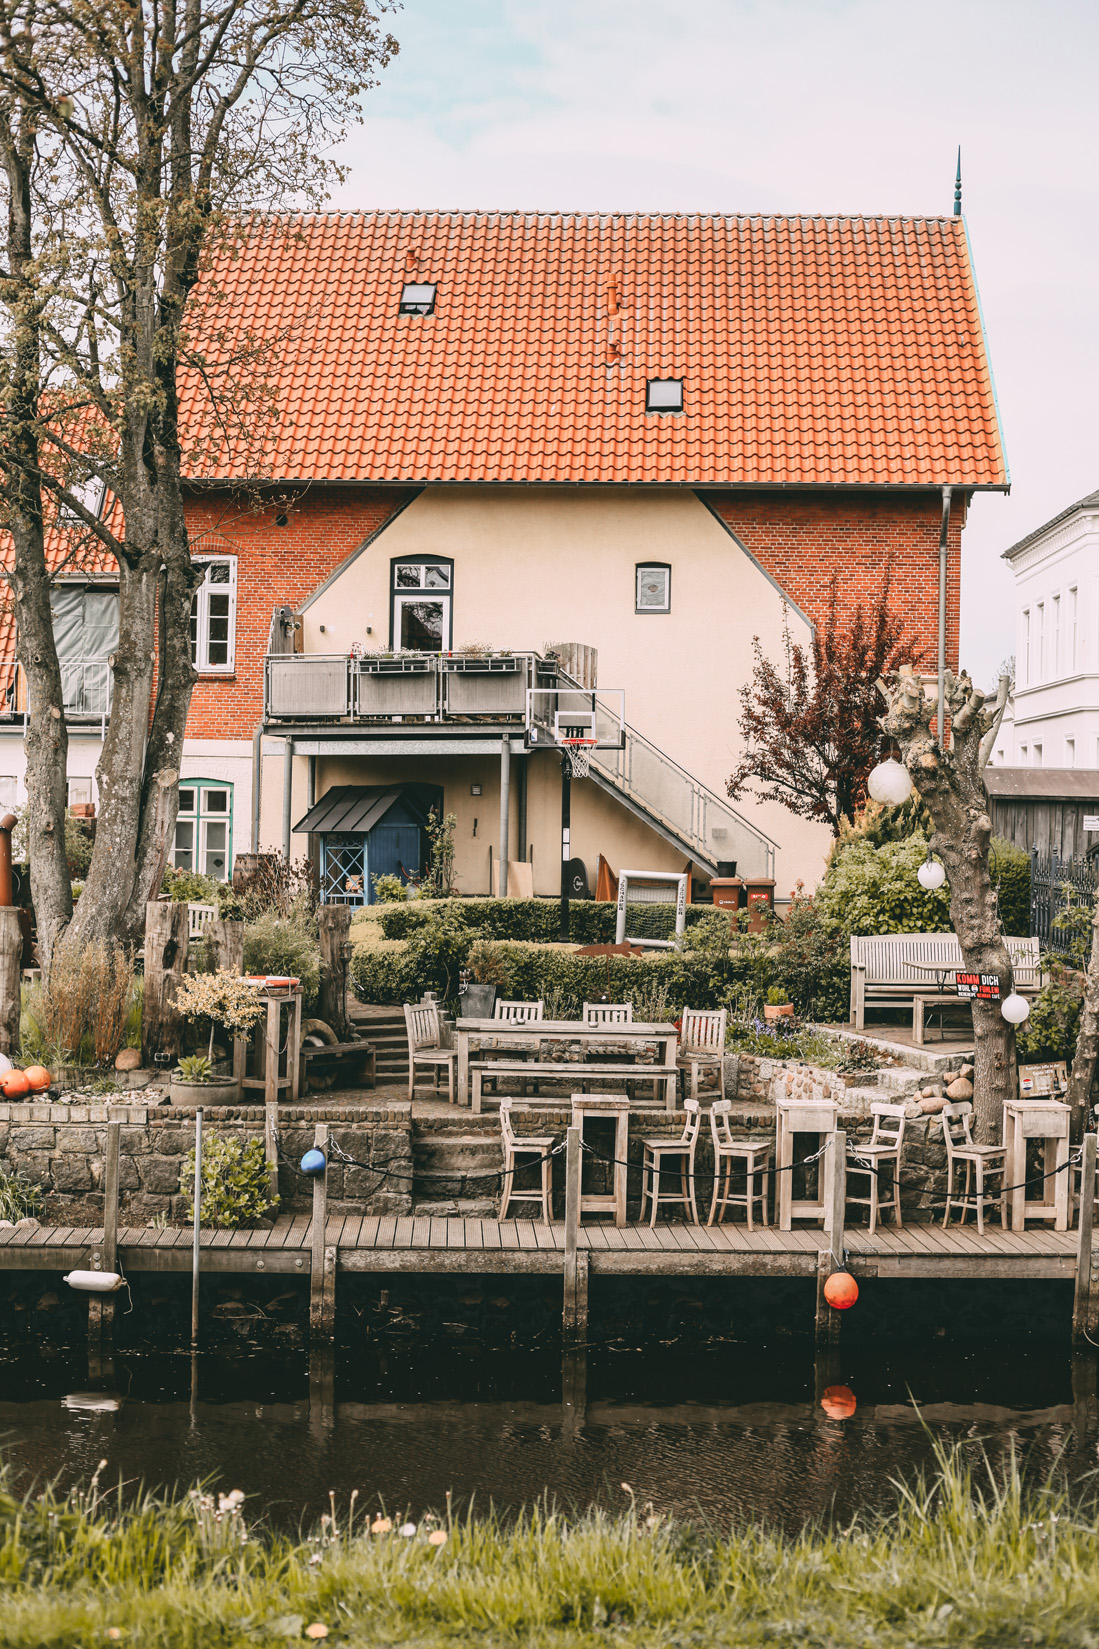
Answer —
568 1071
341 1053
884 972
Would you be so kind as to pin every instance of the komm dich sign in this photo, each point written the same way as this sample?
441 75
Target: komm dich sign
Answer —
978 987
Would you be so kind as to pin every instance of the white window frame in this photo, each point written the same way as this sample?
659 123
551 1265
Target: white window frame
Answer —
202 604
1073 605
1026 647
200 819
643 567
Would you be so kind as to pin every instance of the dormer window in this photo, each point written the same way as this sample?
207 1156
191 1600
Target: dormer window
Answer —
417 299
664 395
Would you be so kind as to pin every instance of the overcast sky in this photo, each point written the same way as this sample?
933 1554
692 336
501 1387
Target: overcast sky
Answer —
796 106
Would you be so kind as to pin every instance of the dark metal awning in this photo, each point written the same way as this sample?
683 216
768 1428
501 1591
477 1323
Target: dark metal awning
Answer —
357 808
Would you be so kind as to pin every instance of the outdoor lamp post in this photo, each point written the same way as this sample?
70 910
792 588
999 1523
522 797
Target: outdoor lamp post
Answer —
890 783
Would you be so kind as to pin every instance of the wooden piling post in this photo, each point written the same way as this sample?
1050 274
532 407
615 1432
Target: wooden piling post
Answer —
334 925
224 941
322 1265
11 978
574 1323
105 1257
827 1323
1083 1304
165 960
196 1228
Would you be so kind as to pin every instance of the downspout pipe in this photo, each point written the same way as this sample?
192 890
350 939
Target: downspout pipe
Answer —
257 782
944 533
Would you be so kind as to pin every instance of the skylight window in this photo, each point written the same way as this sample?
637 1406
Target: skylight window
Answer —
664 395
417 299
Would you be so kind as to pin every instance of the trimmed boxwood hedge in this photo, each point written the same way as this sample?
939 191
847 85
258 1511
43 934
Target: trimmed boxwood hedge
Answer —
591 921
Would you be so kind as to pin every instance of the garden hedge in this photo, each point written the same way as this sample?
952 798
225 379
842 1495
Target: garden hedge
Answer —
591 921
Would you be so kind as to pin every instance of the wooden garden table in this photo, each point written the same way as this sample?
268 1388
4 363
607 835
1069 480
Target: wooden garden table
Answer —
797 1116
1048 1121
502 1035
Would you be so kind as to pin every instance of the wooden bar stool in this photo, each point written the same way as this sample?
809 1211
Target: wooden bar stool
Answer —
656 1150
528 1145
756 1157
979 1161
884 1145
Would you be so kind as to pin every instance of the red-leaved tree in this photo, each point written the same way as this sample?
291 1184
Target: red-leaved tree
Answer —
810 729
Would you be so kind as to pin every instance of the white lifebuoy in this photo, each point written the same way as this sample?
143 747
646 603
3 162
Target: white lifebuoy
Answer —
93 1282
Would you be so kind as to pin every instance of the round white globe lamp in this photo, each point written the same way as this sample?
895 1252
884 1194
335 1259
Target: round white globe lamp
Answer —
889 783
1015 1008
931 875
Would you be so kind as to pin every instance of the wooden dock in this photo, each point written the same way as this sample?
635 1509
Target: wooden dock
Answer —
673 1249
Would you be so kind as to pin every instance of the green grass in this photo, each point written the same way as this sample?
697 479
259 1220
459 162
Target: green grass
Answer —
968 1559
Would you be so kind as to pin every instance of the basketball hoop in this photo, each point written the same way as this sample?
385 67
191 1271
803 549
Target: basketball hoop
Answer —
579 754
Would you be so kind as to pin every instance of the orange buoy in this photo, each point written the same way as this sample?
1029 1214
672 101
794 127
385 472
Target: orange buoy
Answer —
38 1077
14 1084
838 1402
841 1290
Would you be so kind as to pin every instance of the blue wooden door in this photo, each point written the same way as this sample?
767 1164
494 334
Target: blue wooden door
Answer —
392 850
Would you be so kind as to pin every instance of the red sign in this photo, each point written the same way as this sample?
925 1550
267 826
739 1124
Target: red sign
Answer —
978 987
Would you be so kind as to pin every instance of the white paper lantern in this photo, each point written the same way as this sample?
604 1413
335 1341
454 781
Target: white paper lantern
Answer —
931 875
1015 1008
890 783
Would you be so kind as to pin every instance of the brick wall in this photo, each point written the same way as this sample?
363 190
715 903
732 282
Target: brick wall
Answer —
805 539
276 565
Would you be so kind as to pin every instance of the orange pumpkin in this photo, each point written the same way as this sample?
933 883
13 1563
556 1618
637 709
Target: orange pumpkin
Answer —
841 1291
38 1077
14 1084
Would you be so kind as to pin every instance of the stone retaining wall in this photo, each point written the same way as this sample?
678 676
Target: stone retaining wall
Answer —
62 1148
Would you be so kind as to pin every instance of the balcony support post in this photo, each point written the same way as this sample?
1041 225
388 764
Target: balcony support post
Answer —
505 814
287 795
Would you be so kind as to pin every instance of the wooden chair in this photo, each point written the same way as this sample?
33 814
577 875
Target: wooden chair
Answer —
422 1025
515 1147
702 1045
884 1145
756 1156
978 1159
608 1013
684 1148
519 1013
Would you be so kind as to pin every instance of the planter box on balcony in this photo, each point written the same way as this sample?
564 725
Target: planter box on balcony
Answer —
485 687
300 684
387 689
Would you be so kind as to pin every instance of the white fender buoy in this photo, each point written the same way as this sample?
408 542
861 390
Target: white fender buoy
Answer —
95 1402
93 1282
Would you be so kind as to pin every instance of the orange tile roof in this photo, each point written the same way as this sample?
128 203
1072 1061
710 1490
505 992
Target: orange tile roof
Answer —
815 351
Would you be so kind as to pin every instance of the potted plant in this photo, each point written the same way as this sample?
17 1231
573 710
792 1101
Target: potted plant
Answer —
486 973
777 1006
224 999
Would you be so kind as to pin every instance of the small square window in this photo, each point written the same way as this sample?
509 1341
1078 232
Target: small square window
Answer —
417 299
654 588
664 395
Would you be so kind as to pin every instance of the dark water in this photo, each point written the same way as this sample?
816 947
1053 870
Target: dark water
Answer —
722 1427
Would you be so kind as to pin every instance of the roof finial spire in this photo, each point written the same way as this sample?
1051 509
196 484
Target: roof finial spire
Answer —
958 186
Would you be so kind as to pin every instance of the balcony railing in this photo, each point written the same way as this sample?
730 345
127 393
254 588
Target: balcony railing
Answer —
427 687
86 690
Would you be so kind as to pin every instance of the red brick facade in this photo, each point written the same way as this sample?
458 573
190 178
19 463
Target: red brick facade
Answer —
804 539
276 566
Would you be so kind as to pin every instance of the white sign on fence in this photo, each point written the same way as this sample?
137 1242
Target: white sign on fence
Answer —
1091 821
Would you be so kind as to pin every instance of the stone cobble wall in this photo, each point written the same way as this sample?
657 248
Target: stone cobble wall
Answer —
63 1149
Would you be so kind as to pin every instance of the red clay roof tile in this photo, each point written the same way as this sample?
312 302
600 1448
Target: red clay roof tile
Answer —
814 351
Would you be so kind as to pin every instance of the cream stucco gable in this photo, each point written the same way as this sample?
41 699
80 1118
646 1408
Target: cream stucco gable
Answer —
533 566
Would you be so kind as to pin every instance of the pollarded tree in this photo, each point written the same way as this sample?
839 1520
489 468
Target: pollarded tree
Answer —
134 135
810 731
952 787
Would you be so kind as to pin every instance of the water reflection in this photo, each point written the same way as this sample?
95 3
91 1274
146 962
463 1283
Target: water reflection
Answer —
711 1431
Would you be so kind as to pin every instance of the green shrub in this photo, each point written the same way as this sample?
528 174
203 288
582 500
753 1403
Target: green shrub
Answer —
870 890
235 1185
437 952
1051 1029
538 921
1010 868
285 945
20 1198
389 890
488 964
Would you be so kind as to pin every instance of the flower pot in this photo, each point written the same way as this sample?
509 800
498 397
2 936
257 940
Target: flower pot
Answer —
222 1091
772 1010
477 1001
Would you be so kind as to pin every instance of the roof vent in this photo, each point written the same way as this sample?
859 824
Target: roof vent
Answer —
417 299
664 395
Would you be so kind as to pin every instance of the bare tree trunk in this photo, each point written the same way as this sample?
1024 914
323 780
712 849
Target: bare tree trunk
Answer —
950 783
1087 1045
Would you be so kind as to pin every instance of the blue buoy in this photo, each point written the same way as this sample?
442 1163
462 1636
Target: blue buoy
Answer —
313 1162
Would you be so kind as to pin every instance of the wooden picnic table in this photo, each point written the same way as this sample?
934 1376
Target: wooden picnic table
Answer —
499 1034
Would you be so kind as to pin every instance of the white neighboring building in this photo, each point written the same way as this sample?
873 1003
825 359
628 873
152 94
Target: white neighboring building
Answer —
1054 718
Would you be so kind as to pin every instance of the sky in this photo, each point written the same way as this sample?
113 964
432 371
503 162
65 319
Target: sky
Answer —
815 106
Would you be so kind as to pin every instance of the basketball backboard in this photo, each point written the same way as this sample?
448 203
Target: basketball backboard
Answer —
555 714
